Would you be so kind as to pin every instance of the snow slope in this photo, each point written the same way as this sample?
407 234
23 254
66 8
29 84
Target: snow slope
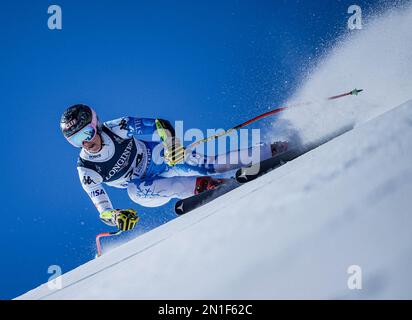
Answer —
292 233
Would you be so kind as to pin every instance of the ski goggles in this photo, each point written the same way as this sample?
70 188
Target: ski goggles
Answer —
86 134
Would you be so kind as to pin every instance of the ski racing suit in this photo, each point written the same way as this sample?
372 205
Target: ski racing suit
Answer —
131 158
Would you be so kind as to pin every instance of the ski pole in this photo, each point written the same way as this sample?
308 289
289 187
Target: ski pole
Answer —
104 234
354 92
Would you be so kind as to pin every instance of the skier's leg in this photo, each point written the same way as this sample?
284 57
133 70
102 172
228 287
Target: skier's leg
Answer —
154 192
246 157
158 191
204 165
232 160
241 158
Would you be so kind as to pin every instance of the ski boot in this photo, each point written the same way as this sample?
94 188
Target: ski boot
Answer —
278 147
207 183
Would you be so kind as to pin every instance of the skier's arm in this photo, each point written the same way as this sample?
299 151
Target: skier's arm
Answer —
154 130
148 126
91 182
141 128
173 150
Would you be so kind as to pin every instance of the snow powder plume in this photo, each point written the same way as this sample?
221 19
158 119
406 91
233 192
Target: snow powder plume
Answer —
377 58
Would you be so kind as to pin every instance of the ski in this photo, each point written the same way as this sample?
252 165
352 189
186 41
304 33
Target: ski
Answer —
186 205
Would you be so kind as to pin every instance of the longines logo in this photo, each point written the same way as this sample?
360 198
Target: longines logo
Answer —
122 162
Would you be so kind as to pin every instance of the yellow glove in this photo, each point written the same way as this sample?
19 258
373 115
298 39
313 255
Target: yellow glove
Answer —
124 219
174 153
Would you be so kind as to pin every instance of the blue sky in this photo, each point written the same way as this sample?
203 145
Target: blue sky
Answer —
211 64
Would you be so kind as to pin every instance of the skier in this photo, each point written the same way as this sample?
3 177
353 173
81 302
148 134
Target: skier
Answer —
127 153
